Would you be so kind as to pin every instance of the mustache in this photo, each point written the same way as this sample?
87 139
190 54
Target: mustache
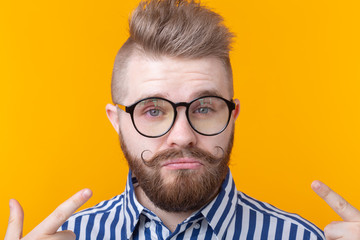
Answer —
193 152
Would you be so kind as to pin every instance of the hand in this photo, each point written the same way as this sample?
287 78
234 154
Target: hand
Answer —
47 229
350 227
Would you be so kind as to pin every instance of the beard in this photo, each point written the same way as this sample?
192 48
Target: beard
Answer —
186 189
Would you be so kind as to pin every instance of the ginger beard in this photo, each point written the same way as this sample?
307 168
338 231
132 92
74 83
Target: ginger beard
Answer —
188 189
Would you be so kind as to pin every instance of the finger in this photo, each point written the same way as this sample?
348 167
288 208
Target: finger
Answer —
57 218
16 219
334 231
344 209
342 230
64 235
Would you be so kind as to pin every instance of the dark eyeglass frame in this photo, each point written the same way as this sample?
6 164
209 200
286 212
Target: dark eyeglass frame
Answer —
130 109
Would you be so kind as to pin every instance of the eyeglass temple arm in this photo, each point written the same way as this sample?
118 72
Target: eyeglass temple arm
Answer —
122 107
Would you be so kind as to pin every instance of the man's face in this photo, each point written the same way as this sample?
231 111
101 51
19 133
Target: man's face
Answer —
181 170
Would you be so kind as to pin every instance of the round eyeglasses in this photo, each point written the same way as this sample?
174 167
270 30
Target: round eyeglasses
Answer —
154 116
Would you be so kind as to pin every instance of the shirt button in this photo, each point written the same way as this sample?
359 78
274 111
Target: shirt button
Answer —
197 226
147 225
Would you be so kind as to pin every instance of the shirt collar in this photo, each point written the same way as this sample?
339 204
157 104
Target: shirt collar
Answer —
222 208
132 208
218 212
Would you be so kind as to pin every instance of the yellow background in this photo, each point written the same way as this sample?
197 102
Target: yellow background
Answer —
297 70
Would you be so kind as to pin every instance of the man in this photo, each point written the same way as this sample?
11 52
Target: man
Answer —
174 112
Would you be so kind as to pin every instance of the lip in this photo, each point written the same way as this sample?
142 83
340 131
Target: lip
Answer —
182 163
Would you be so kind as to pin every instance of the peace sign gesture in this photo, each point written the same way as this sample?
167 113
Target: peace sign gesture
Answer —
47 229
350 227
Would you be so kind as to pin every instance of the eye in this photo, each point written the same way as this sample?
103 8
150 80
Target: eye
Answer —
202 110
154 112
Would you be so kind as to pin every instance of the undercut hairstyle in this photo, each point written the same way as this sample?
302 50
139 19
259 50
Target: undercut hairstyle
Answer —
172 28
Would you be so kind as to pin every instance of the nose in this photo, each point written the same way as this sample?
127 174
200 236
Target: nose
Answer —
181 134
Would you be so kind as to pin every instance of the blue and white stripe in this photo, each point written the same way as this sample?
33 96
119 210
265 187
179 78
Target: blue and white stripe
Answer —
231 215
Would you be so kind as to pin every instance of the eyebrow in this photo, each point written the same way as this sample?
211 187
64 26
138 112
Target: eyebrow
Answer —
192 96
150 95
206 93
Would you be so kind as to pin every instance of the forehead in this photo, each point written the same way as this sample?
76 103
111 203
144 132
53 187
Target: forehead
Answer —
177 79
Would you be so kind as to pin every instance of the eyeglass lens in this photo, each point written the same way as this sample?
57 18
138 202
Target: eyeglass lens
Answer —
154 116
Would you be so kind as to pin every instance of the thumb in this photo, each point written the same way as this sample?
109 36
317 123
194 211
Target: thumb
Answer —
16 219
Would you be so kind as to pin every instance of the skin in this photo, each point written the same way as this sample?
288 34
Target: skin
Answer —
349 229
178 80
47 228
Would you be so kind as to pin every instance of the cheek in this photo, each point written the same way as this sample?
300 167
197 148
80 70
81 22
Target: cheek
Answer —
135 142
211 144
128 134
223 139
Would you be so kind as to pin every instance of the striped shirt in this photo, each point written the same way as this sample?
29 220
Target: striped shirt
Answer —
231 215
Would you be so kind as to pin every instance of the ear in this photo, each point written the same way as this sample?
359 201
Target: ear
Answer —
113 116
237 108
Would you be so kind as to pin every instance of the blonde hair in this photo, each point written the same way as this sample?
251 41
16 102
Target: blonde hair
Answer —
174 28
